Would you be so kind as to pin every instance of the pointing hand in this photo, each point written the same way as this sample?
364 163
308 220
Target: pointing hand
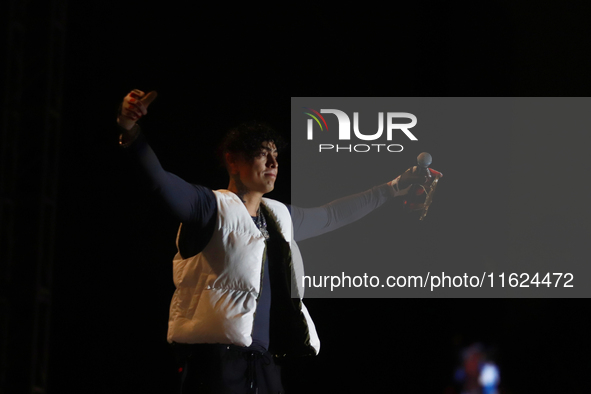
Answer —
134 106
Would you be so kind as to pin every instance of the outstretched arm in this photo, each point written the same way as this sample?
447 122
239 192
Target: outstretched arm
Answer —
311 222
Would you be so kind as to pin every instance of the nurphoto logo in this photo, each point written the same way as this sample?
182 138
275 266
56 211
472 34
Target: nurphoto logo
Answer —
345 130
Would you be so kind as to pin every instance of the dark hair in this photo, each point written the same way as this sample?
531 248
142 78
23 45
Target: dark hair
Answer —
247 139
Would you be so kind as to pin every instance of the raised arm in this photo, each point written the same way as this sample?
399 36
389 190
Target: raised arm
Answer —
187 202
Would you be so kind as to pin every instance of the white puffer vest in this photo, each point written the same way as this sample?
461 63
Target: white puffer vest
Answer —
217 290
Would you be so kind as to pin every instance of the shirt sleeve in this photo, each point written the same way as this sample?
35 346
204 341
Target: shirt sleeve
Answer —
311 222
193 205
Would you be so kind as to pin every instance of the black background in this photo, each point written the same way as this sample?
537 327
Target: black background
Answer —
215 68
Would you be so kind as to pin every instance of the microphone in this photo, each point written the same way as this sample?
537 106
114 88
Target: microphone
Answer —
424 160
412 203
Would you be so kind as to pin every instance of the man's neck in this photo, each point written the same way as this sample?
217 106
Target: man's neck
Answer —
252 203
251 200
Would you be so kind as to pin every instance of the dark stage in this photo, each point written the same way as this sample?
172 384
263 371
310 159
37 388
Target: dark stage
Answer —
112 276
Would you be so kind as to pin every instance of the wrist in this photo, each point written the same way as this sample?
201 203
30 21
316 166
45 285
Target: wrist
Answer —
397 191
127 137
125 123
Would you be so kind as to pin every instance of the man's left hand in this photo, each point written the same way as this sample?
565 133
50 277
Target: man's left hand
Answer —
412 176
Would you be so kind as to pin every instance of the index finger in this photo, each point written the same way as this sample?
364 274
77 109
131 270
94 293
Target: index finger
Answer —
149 98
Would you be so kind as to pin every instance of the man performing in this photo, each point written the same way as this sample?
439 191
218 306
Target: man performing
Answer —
233 311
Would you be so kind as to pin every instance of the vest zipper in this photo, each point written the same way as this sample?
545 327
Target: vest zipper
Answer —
260 288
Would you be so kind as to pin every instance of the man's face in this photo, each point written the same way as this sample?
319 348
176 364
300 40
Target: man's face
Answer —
260 174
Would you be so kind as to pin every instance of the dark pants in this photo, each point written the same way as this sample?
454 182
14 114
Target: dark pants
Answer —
226 369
